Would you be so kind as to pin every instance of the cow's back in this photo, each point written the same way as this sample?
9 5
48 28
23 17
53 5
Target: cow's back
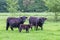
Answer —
33 20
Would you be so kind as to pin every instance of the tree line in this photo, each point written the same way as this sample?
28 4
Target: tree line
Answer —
29 5
22 6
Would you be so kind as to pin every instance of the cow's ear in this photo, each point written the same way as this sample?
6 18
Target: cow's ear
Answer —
21 17
45 18
26 17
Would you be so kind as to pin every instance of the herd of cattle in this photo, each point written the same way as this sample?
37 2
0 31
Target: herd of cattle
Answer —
13 22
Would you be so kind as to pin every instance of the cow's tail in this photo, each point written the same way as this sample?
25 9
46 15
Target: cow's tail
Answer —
7 25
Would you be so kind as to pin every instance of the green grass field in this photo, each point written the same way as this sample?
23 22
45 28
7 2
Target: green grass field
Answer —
51 31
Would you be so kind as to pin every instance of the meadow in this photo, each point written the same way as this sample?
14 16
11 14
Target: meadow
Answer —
51 29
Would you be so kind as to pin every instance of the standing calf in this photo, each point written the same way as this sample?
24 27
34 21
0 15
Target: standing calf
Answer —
24 26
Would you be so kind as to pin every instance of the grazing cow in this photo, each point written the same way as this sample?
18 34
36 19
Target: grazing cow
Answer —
15 22
35 21
24 26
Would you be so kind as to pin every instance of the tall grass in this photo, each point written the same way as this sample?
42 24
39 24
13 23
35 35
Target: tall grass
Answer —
49 15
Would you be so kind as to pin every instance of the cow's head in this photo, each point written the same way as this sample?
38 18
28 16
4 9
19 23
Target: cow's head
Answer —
42 19
23 18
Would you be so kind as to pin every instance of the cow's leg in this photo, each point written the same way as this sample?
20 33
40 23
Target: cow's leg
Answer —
11 28
41 27
7 26
36 28
20 29
27 30
31 27
30 23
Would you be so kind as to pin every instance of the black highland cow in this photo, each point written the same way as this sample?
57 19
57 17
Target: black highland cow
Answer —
14 22
35 21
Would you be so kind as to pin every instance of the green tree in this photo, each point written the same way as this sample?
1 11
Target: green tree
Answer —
12 5
39 6
54 6
32 5
3 6
20 3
